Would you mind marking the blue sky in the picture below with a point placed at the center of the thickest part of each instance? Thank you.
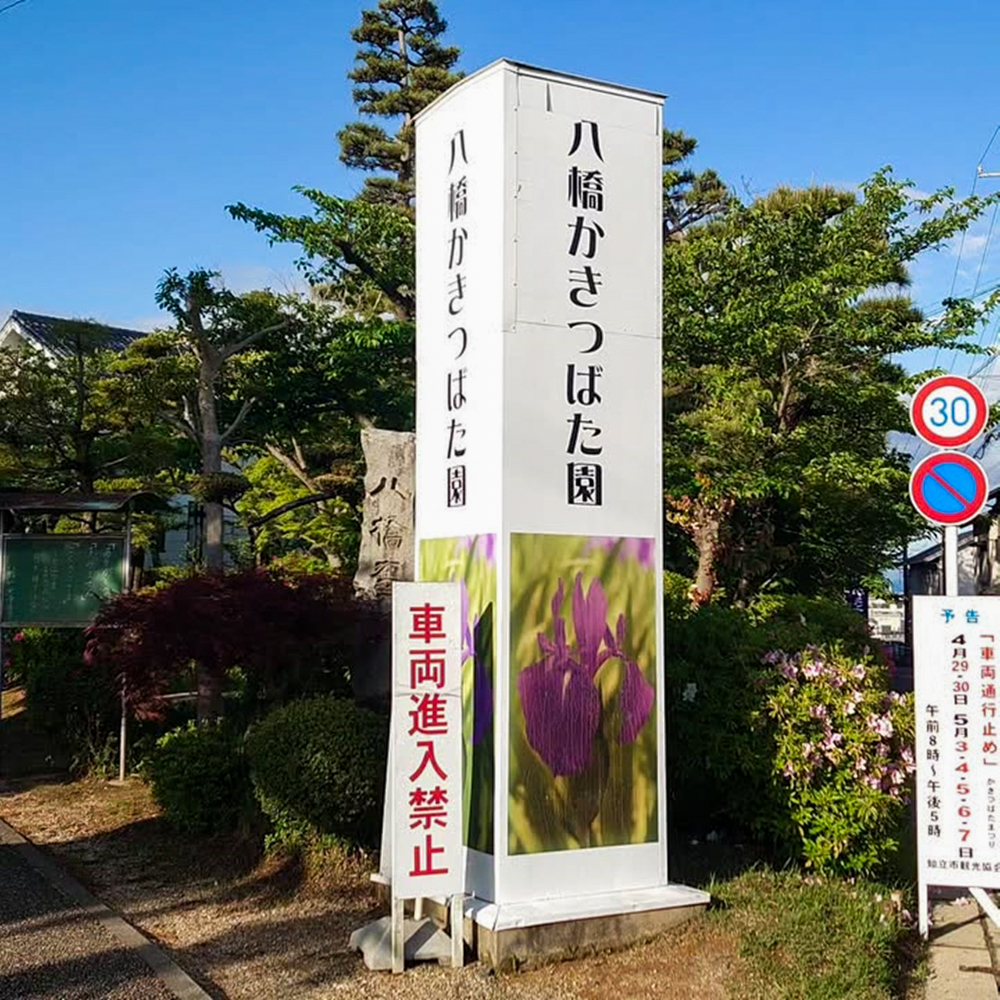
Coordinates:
(128, 126)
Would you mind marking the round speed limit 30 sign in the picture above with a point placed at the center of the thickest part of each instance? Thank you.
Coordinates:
(949, 411)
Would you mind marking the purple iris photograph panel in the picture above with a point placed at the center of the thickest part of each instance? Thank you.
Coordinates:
(583, 730)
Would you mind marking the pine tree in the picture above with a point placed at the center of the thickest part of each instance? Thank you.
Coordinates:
(400, 67)
(688, 197)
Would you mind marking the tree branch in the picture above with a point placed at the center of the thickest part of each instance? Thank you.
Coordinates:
(238, 419)
(291, 505)
(402, 304)
(180, 424)
(241, 345)
(194, 321)
(188, 417)
(300, 472)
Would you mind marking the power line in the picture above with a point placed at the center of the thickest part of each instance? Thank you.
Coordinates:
(14, 4)
(961, 245)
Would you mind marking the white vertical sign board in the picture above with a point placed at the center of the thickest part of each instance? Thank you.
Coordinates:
(956, 642)
(426, 766)
(539, 324)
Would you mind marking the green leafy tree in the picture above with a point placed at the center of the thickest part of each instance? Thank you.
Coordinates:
(198, 379)
(298, 510)
(345, 373)
(193, 367)
(784, 321)
(63, 427)
(357, 255)
(401, 66)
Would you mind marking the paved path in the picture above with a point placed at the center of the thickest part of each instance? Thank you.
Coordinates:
(58, 943)
(962, 963)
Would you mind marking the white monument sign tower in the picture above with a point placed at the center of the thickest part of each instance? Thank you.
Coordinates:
(539, 488)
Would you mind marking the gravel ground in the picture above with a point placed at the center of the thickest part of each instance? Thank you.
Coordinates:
(50, 950)
(270, 930)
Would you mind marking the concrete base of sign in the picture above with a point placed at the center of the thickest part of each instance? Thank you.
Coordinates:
(516, 935)
(425, 942)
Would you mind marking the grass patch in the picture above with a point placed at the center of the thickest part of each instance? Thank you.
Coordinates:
(810, 938)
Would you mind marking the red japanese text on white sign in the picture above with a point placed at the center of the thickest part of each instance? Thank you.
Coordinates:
(427, 733)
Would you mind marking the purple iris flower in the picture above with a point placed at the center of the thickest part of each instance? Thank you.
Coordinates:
(559, 693)
(637, 693)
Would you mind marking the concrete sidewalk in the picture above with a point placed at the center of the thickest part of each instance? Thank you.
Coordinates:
(58, 942)
(962, 953)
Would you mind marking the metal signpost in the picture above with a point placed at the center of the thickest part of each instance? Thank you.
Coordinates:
(956, 746)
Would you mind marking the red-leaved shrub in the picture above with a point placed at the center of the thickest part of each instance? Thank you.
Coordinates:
(289, 634)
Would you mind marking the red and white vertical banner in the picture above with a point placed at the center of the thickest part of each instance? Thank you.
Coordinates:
(426, 764)
(956, 643)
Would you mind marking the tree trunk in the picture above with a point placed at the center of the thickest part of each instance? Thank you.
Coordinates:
(209, 682)
(706, 539)
(211, 463)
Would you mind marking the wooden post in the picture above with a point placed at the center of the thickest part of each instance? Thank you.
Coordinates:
(398, 934)
(457, 921)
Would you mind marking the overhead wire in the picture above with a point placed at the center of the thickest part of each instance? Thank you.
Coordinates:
(10, 5)
(961, 245)
(975, 288)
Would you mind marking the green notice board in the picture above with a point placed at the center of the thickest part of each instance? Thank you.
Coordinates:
(59, 579)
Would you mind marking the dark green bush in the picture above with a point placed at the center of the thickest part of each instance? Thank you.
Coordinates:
(318, 770)
(199, 777)
(75, 705)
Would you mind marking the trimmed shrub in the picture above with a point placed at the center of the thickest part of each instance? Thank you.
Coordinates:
(199, 778)
(318, 770)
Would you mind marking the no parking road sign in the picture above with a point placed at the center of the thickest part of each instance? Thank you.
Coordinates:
(949, 488)
(949, 411)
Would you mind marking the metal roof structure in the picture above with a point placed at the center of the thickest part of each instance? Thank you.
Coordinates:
(33, 502)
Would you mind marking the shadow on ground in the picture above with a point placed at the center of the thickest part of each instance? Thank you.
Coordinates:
(26, 756)
(233, 919)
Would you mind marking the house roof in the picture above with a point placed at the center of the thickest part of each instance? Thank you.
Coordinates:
(56, 334)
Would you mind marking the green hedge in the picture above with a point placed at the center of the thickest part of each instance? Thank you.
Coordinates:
(318, 770)
(199, 777)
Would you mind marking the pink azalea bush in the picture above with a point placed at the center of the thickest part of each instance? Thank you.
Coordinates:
(842, 756)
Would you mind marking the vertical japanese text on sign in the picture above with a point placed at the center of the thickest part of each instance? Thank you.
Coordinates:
(585, 197)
